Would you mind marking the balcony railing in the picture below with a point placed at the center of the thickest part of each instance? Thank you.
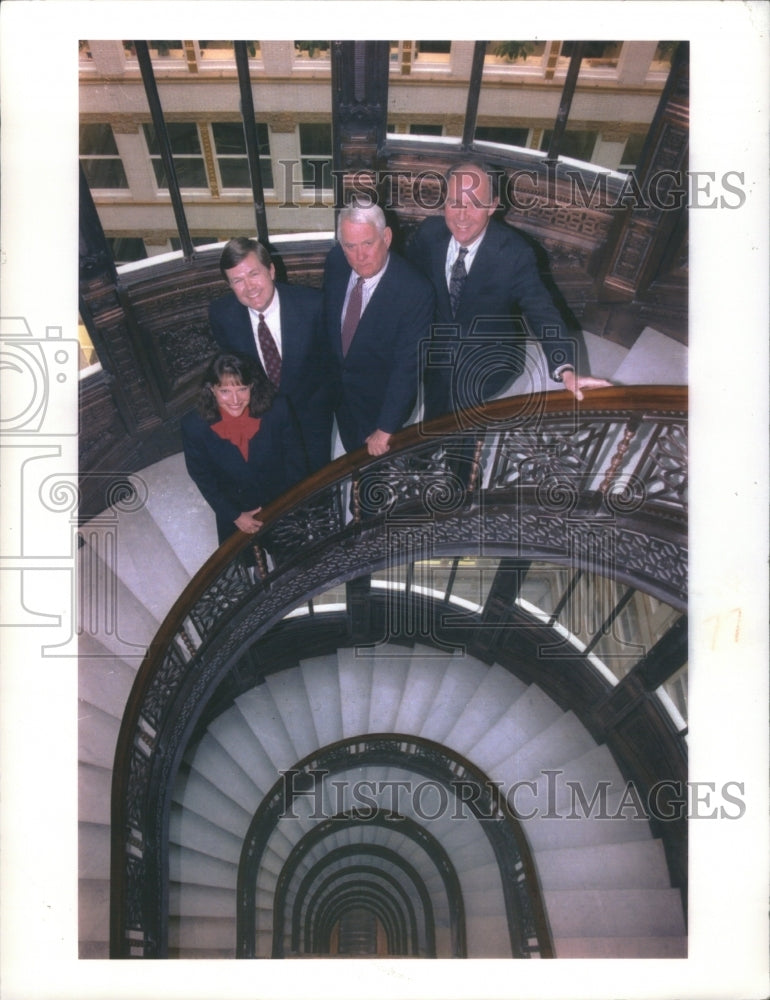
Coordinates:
(597, 485)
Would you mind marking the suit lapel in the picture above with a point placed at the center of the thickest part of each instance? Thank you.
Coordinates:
(483, 265)
(438, 268)
(337, 291)
(386, 288)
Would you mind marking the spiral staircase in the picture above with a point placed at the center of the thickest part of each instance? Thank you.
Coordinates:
(338, 777)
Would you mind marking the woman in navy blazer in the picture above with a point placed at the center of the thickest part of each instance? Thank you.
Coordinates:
(306, 364)
(242, 447)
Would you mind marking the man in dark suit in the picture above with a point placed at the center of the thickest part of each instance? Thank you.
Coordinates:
(489, 295)
(377, 310)
(279, 325)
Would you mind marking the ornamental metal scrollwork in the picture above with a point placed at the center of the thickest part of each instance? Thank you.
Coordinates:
(527, 506)
(666, 471)
(553, 452)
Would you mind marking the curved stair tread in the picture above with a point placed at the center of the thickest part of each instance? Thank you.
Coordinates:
(321, 680)
(291, 700)
(636, 864)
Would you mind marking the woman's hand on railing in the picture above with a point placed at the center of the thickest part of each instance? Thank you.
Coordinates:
(247, 521)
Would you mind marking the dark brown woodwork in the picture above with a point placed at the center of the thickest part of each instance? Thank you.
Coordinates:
(638, 247)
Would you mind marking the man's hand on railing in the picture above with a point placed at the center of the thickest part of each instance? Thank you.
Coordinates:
(247, 521)
(378, 443)
(575, 383)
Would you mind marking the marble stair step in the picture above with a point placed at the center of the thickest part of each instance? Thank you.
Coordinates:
(423, 681)
(94, 793)
(214, 762)
(552, 747)
(104, 679)
(611, 913)
(461, 680)
(529, 715)
(639, 864)
(109, 611)
(125, 544)
(355, 684)
(237, 739)
(200, 834)
(388, 686)
(180, 512)
(201, 934)
(199, 795)
(498, 690)
(290, 698)
(321, 681)
(264, 719)
(188, 866)
(654, 359)
(621, 947)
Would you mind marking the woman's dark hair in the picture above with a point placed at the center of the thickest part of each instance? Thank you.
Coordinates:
(244, 371)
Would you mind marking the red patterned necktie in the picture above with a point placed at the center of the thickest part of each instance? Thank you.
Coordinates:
(352, 315)
(270, 355)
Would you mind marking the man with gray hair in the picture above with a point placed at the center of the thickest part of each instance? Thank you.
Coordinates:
(377, 309)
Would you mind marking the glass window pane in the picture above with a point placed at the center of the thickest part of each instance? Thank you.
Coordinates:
(235, 174)
(190, 173)
(311, 50)
(576, 145)
(425, 129)
(197, 241)
(315, 138)
(183, 137)
(474, 579)
(97, 140)
(267, 172)
(594, 52)
(216, 47)
(434, 52)
(508, 54)
(632, 151)
(544, 586)
(434, 575)
(506, 136)
(125, 250)
(104, 173)
(676, 689)
(167, 48)
(228, 137)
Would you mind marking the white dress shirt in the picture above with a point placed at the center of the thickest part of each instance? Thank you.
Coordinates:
(272, 316)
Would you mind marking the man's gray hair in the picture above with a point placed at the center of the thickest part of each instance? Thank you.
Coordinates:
(370, 215)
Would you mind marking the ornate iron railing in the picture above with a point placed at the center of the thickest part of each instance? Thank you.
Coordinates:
(541, 477)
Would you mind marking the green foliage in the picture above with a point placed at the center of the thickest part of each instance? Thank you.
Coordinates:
(312, 48)
(511, 51)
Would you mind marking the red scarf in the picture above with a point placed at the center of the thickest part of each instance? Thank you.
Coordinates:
(239, 430)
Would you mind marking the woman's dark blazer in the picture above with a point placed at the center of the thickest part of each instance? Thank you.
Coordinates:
(231, 485)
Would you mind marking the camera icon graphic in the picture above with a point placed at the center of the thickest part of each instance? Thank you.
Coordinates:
(498, 357)
(39, 376)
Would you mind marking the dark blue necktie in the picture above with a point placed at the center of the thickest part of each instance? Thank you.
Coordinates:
(457, 279)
